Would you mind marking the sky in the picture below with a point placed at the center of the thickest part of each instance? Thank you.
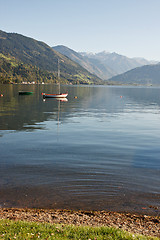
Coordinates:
(127, 27)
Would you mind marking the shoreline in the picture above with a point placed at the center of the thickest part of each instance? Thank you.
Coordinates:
(135, 223)
(48, 197)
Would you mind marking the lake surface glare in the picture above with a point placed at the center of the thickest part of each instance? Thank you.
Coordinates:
(100, 150)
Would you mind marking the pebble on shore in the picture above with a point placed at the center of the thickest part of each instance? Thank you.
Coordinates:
(139, 224)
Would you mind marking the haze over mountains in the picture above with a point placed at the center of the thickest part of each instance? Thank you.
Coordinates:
(26, 59)
(118, 63)
(104, 64)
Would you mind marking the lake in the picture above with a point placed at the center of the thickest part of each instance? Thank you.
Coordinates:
(100, 150)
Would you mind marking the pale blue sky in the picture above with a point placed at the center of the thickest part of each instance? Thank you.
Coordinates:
(128, 27)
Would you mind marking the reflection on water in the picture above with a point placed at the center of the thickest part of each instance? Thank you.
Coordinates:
(98, 150)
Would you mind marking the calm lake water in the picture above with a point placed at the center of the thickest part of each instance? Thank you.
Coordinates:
(99, 151)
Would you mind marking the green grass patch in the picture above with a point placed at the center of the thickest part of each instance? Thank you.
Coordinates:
(84, 78)
(31, 230)
(5, 57)
(11, 60)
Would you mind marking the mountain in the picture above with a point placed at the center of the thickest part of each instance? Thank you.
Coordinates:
(104, 64)
(31, 52)
(118, 63)
(94, 66)
(148, 75)
(15, 71)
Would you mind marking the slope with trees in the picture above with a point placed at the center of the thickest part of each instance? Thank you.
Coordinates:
(38, 54)
(145, 75)
(104, 64)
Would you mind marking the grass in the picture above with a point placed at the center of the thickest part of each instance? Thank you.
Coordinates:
(30, 230)
(84, 78)
(11, 60)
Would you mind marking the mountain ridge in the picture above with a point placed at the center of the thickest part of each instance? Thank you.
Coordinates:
(103, 64)
(39, 54)
(84, 62)
(21, 57)
(119, 63)
(145, 75)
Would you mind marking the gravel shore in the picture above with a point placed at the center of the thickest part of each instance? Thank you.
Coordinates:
(140, 224)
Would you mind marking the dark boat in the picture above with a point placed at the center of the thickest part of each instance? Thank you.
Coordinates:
(25, 93)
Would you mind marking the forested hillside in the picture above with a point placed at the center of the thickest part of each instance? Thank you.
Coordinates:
(103, 64)
(146, 75)
(38, 57)
(94, 66)
(14, 71)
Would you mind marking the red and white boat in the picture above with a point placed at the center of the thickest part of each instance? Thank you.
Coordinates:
(60, 95)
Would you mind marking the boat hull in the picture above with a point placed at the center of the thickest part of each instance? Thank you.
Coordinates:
(61, 95)
(25, 93)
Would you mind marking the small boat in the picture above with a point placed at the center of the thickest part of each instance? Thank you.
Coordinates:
(25, 93)
(60, 95)
(57, 95)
